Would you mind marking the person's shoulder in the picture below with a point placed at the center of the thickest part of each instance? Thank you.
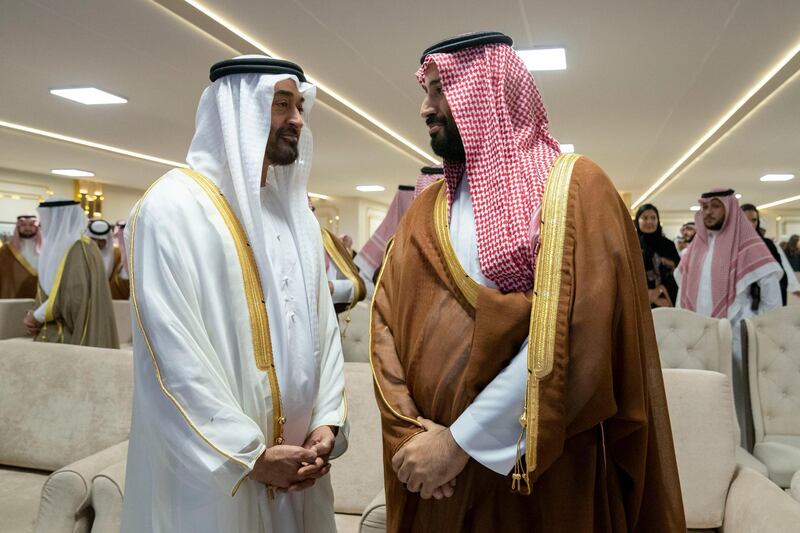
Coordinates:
(174, 200)
(590, 176)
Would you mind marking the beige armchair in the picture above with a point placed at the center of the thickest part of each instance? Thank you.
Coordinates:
(718, 493)
(772, 344)
(688, 340)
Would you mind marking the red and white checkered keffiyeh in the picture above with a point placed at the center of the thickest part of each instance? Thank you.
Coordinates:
(509, 152)
(424, 180)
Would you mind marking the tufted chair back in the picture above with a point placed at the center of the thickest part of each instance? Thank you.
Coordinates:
(688, 340)
(773, 346)
(355, 333)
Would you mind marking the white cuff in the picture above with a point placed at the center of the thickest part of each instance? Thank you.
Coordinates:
(482, 446)
(39, 313)
(342, 291)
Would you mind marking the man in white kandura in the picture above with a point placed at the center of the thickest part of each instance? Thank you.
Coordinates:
(239, 379)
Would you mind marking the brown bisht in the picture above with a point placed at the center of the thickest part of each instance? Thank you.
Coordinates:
(598, 436)
(18, 278)
(120, 287)
(343, 260)
(79, 308)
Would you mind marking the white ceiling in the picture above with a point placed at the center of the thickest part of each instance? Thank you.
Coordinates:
(645, 80)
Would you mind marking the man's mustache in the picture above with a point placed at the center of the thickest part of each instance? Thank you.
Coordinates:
(436, 120)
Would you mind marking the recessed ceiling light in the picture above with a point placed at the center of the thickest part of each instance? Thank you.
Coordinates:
(567, 148)
(738, 196)
(544, 58)
(88, 96)
(694, 208)
(72, 172)
(777, 177)
(319, 196)
(370, 188)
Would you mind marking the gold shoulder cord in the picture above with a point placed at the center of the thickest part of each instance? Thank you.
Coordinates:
(544, 309)
(256, 303)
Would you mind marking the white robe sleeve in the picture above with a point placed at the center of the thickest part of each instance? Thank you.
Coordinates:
(489, 429)
(195, 413)
(39, 313)
(771, 297)
(794, 284)
(330, 407)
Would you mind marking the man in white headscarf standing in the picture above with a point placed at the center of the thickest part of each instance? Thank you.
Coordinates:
(238, 388)
(19, 259)
(103, 234)
(73, 303)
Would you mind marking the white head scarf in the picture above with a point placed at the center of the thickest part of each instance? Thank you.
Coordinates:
(61, 227)
(102, 232)
(231, 131)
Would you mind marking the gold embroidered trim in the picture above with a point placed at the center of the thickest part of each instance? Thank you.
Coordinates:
(466, 285)
(344, 267)
(547, 287)
(389, 247)
(21, 259)
(254, 294)
(88, 300)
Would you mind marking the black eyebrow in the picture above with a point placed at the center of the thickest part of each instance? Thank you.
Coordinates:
(289, 94)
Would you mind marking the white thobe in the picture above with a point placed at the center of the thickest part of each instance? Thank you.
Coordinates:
(202, 412)
(488, 430)
(793, 284)
(27, 248)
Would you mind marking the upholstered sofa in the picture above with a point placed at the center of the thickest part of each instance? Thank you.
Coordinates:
(64, 417)
(688, 340)
(772, 344)
(354, 326)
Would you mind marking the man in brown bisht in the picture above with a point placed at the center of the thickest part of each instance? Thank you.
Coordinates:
(344, 279)
(19, 259)
(120, 279)
(519, 384)
(74, 300)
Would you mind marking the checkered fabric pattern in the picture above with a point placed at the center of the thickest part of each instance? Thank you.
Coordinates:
(509, 152)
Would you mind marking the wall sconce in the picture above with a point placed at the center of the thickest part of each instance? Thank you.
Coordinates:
(90, 195)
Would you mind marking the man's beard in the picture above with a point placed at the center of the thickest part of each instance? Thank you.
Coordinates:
(447, 142)
(717, 226)
(27, 234)
(280, 151)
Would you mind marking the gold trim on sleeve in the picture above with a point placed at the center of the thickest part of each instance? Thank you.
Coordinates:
(389, 247)
(547, 287)
(254, 294)
(466, 285)
(21, 259)
(359, 291)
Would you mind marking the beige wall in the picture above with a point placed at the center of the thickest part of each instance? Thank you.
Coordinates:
(117, 204)
(354, 217)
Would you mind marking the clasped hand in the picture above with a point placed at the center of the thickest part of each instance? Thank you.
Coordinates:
(296, 468)
(430, 461)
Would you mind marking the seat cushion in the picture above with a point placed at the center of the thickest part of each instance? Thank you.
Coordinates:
(19, 498)
(12, 311)
(747, 460)
(345, 523)
(795, 486)
(782, 461)
(374, 518)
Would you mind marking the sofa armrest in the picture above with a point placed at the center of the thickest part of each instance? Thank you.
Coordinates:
(745, 460)
(373, 520)
(782, 460)
(795, 488)
(757, 505)
(65, 494)
(108, 488)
